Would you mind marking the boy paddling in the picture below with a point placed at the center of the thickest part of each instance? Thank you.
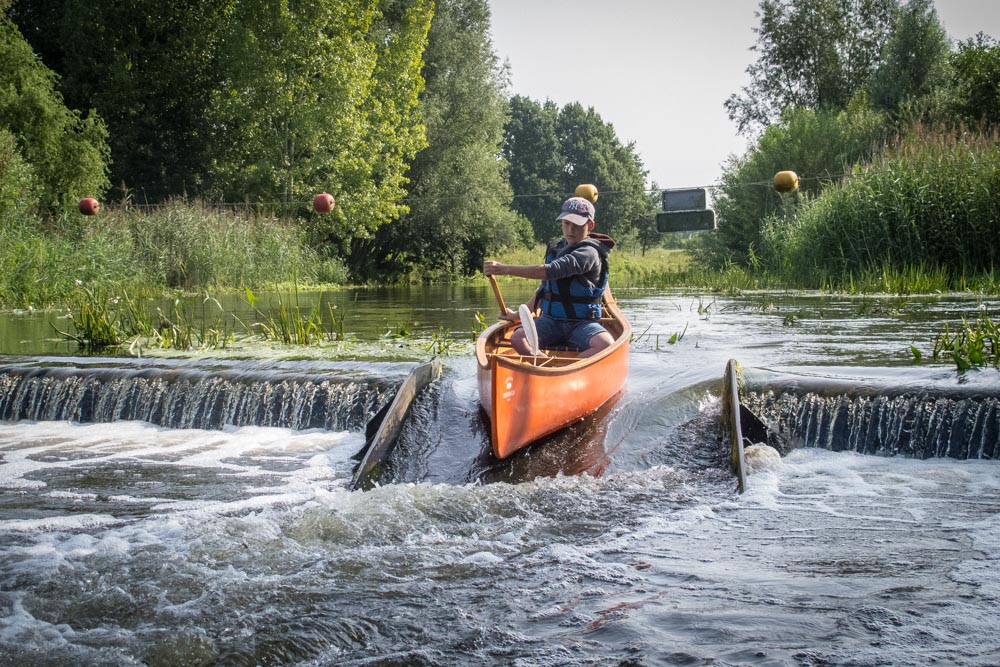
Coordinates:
(574, 277)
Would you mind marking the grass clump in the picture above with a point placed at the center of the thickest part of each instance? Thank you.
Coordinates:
(102, 319)
(292, 325)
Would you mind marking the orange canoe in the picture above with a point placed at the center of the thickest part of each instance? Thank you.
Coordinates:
(529, 397)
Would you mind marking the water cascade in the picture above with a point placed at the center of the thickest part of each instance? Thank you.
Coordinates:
(913, 421)
(189, 395)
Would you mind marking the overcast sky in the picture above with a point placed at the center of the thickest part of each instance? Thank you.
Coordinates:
(658, 70)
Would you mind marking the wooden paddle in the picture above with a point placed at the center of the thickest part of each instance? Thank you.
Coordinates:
(496, 292)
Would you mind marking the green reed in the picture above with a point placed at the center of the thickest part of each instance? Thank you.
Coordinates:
(292, 325)
(973, 344)
(152, 250)
(103, 319)
(203, 325)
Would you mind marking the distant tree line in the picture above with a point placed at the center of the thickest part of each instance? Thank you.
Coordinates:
(399, 108)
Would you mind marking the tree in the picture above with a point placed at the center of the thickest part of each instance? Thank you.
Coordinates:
(458, 196)
(67, 152)
(532, 150)
(551, 152)
(592, 153)
(320, 96)
(813, 55)
(148, 68)
(915, 63)
(976, 65)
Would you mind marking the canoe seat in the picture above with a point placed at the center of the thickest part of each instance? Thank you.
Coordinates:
(550, 360)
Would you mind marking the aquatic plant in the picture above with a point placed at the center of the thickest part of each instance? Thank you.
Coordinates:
(974, 344)
(103, 319)
(184, 329)
(291, 325)
(441, 343)
(671, 339)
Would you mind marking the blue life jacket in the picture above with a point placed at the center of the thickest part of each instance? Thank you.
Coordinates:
(570, 298)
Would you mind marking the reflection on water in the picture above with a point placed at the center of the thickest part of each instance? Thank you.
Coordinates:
(127, 543)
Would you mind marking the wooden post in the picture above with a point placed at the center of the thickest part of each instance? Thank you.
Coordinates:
(731, 426)
(388, 431)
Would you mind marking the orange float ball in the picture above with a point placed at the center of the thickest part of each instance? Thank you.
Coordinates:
(323, 203)
(89, 206)
(786, 181)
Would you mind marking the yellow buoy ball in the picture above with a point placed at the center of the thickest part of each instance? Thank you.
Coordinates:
(786, 181)
(588, 192)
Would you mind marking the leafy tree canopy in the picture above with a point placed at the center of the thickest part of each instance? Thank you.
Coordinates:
(66, 151)
(148, 67)
(976, 65)
(552, 152)
(532, 150)
(458, 197)
(814, 55)
(321, 96)
(915, 61)
(17, 181)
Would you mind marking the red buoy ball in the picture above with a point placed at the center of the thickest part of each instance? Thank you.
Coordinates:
(323, 203)
(89, 206)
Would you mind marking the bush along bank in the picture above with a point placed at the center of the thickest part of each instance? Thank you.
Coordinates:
(925, 212)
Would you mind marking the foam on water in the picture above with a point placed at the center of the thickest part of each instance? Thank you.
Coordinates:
(244, 545)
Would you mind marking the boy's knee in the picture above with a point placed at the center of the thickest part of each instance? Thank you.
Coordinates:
(601, 341)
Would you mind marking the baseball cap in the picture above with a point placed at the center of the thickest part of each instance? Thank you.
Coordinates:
(577, 210)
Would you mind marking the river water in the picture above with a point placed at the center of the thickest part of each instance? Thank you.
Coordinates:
(142, 536)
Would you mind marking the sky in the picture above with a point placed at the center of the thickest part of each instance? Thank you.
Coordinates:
(658, 70)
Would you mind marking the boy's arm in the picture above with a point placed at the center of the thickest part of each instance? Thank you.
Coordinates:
(537, 272)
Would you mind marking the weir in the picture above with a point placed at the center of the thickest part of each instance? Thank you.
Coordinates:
(189, 395)
(915, 419)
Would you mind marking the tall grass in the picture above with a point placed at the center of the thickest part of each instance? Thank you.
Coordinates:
(175, 246)
(191, 246)
(924, 216)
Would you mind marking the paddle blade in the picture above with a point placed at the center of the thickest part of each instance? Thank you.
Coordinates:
(528, 324)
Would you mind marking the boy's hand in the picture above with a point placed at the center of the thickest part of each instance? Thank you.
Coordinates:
(511, 316)
(491, 268)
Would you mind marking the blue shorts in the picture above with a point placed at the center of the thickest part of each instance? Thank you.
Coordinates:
(574, 334)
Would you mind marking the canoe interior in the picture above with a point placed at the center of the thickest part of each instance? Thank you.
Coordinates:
(498, 342)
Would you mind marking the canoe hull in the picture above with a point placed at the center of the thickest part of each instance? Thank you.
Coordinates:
(526, 401)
